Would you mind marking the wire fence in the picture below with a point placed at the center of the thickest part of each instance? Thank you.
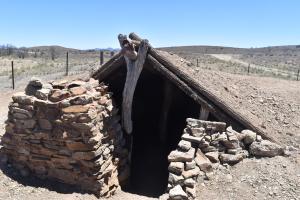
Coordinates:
(15, 72)
(252, 69)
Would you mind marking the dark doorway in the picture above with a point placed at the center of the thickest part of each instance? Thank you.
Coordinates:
(149, 164)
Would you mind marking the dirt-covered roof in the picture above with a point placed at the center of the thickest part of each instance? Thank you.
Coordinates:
(236, 96)
(269, 103)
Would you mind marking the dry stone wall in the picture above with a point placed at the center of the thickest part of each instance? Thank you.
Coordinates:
(204, 145)
(67, 131)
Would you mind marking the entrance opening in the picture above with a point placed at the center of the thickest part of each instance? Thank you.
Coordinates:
(149, 164)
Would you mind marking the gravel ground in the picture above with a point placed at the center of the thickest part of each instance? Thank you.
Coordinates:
(265, 178)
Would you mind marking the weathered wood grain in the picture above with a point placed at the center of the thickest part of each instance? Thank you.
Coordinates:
(203, 113)
(134, 69)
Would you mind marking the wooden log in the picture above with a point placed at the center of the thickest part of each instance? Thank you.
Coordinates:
(167, 100)
(128, 48)
(134, 69)
(203, 113)
(218, 103)
(114, 63)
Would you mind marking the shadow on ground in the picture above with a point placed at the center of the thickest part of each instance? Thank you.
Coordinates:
(33, 181)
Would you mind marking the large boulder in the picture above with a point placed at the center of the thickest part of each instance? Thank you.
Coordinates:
(203, 162)
(249, 137)
(265, 148)
(176, 167)
(184, 145)
(178, 156)
(231, 159)
(33, 85)
(177, 193)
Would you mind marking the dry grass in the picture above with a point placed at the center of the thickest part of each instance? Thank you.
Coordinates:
(45, 68)
(279, 62)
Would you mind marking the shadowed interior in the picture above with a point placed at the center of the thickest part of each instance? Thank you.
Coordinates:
(149, 164)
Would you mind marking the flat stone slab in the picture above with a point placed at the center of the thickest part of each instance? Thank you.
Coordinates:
(179, 156)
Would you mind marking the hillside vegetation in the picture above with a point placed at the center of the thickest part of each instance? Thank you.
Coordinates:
(278, 61)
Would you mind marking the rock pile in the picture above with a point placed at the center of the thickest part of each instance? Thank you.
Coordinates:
(67, 131)
(205, 143)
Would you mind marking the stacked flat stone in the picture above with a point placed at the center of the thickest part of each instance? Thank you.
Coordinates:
(204, 144)
(67, 131)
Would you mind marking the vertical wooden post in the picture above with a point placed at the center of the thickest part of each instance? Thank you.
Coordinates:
(248, 68)
(101, 57)
(134, 69)
(197, 62)
(112, 53)
(298, 74)
(67, 64)
(203, 113)
(166, 105)
(12, 75)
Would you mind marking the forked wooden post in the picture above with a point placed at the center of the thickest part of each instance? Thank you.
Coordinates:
(298, 74)
(135, 62)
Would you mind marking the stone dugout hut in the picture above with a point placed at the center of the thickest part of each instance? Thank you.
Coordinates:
(141, 122)
(163, 95)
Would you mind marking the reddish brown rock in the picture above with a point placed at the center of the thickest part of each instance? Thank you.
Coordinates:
(75, 91)
(78, 146)
(75, 109)
(58, 95)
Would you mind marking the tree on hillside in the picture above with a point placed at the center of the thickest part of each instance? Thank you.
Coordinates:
(10, 49)
(22, 52)
(52, 53)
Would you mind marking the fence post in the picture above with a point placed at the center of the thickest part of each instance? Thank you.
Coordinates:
(298, 74)
(101, 57)
(197, 62)
(112, 53)
(12, 75)
(67, 64)
(248, 68)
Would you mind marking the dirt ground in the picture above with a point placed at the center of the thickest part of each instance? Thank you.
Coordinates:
(266, 178)
(272, 103)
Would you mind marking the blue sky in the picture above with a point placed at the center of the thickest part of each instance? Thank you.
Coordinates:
(96, 23)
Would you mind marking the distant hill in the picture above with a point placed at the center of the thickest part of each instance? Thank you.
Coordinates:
(232, 50)
(47, 51)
